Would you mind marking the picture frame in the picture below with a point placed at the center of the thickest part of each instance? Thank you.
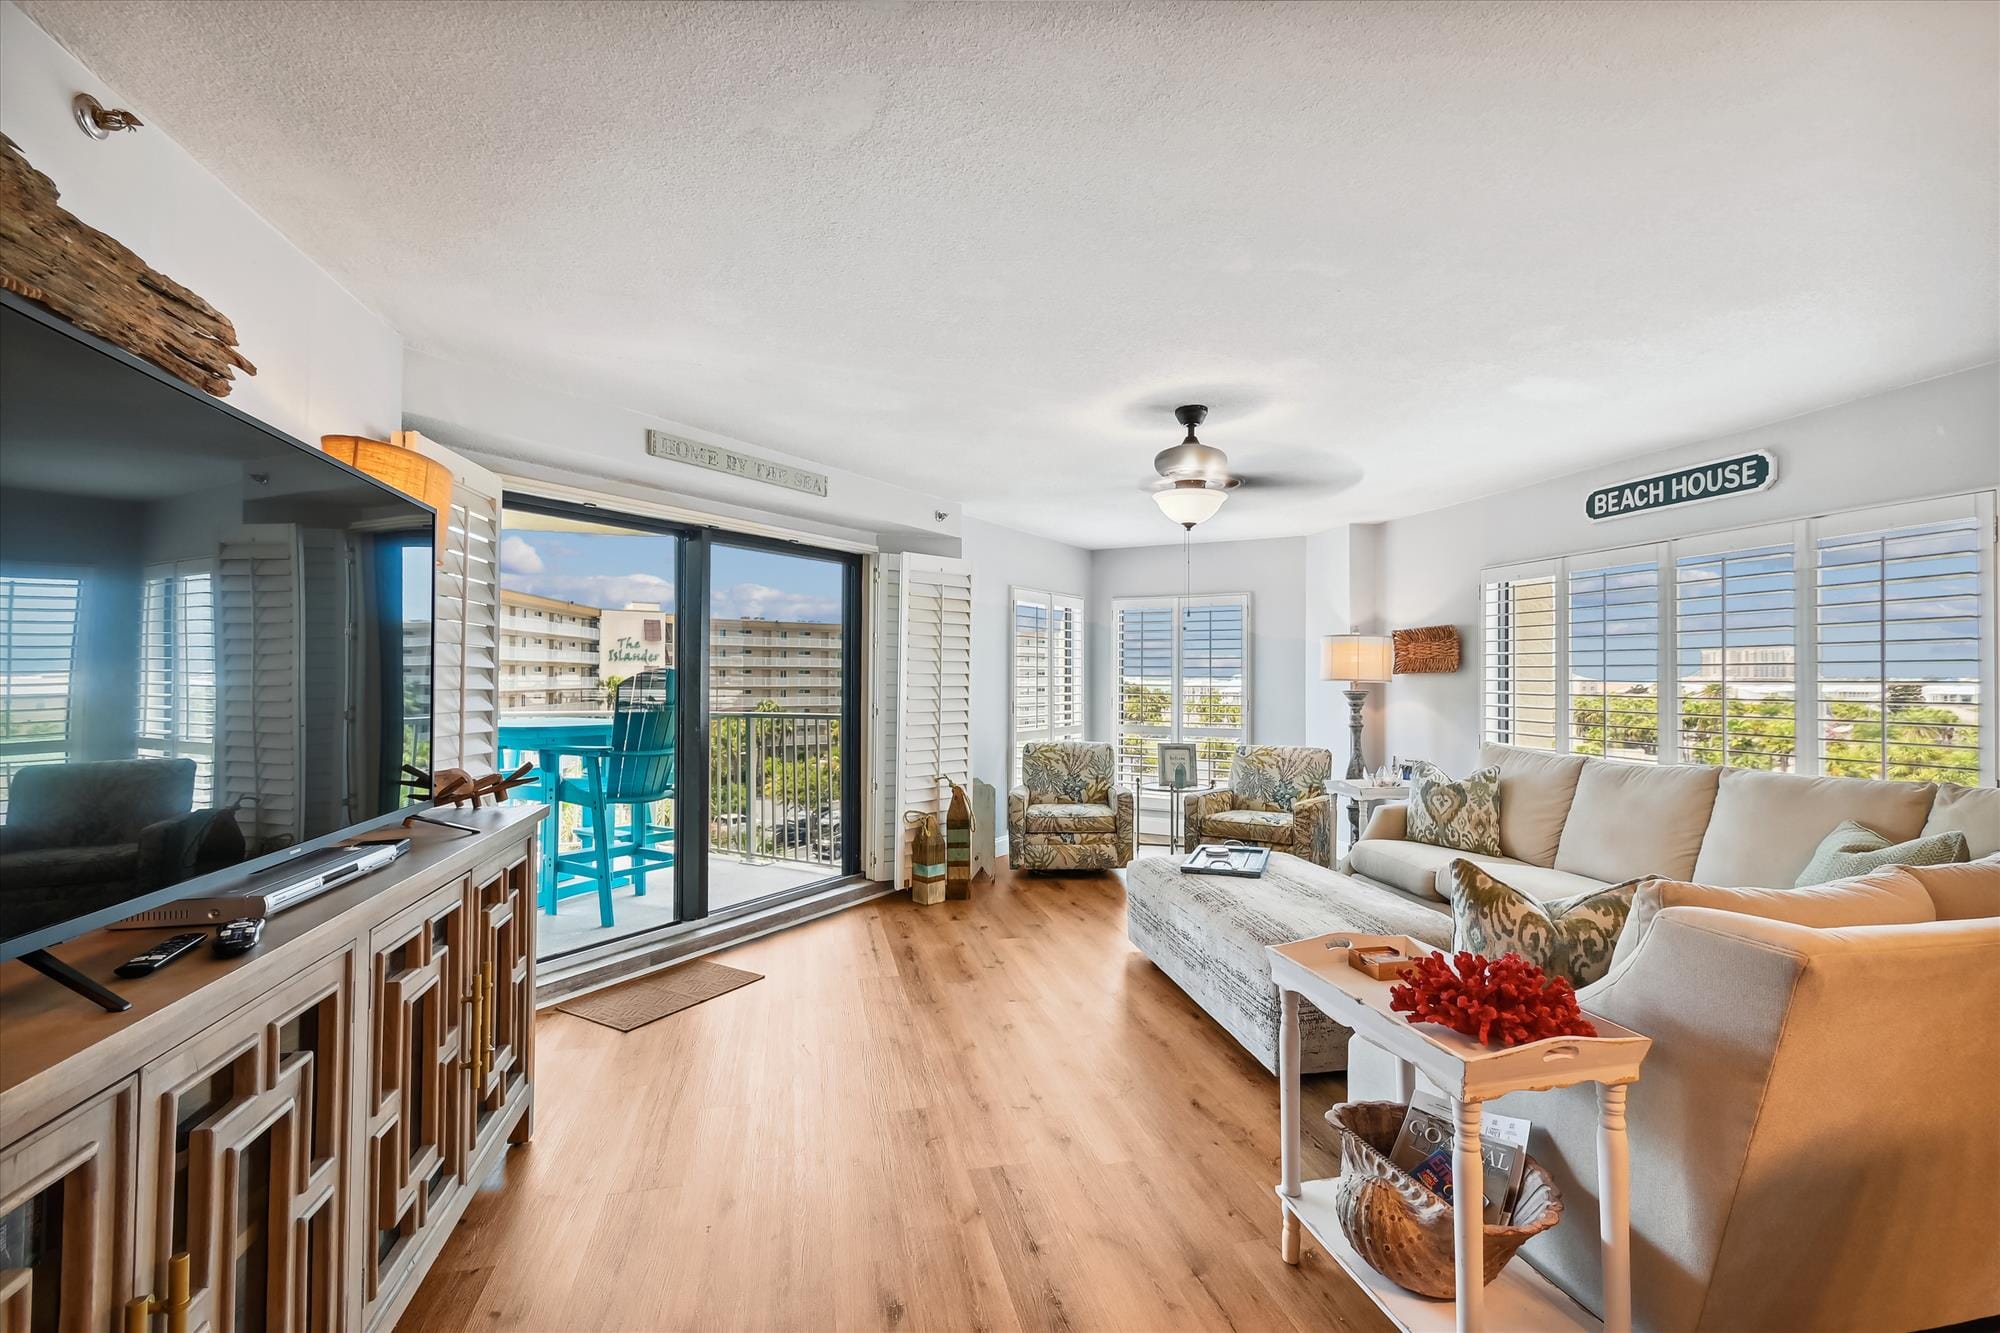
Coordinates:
(1180, 766)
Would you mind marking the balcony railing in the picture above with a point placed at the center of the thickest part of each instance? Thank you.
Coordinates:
(774, 787)
(774, 783)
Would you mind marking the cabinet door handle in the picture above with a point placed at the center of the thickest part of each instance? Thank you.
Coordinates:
(491, 1030)
(139, 1311)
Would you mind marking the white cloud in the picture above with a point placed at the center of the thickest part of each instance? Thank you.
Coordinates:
(607, 591)
(756, 601)
(518, 556)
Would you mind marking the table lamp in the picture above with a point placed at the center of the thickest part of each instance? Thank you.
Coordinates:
(1358, 659)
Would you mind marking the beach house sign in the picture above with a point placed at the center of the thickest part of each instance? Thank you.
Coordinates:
(1689, 485)
(727, 461)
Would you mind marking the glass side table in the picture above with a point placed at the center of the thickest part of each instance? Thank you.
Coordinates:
(1176, 806)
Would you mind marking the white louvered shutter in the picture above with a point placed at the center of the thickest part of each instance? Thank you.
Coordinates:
(258, 720)
(465, 681)
(1899, 647)
(928, 731)
(1045, 702)
(177, 670)
(1613, 623)
(1520, 702)
(39, 613)
(1736, 612)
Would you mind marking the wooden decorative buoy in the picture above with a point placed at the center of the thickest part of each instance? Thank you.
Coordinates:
(926, 858)
(958, 844)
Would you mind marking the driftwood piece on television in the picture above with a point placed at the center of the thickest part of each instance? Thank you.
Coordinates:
(1434, 648)
(51, 257)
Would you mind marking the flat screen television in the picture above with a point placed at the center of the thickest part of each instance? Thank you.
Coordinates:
(215, 641)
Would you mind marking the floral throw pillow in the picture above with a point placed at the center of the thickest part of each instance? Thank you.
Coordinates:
(1462, 815)
(1572, 938)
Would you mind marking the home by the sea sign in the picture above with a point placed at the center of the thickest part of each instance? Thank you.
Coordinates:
(717, 459)
(1707, 481)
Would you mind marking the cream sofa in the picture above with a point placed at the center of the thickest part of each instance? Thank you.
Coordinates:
(1815, 1137)
(1569, 824)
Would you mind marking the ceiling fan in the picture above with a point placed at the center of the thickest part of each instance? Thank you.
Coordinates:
(1194, 477)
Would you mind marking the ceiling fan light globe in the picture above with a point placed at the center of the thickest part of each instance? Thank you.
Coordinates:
(1189, 503)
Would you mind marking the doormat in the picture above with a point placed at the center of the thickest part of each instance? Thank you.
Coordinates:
(633, 1004)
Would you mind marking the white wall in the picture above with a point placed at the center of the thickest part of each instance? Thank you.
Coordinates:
(325, 363)
(1941, 437)
(1003, 559)
(525, 430)
(1272, 572)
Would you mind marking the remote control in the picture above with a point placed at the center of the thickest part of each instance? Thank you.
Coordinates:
(238, 937)
(159, 955)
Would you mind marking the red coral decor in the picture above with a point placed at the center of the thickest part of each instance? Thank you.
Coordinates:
(1504, 1001)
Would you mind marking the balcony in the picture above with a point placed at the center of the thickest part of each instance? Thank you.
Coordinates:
(774, 823)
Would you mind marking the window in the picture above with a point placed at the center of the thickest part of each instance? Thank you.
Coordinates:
(177, 670)
(1614, 658)
(1182, 673)
(1736, 669)
(1900, 649)
(1519, 704)
(38, 631)
(1857, 644)
(1046, 700)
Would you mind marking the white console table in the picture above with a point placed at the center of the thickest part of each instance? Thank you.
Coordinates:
(1520, 1300)
(1363, 797)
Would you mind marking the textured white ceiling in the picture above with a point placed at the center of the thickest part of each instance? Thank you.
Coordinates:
(1409, 253)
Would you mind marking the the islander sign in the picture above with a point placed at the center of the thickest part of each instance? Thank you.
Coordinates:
(1709, 481)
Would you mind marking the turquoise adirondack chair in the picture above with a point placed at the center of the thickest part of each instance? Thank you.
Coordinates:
(635, 771)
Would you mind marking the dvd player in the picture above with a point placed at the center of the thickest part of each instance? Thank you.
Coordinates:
(274, 890)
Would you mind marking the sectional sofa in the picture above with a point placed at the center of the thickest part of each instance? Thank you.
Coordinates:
(1569, 824)
(1816, 1136)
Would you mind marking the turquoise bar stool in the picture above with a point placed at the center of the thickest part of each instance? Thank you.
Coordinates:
(635, 772)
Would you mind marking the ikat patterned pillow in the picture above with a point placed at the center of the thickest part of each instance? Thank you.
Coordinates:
(1462, 815)
(1572, 938)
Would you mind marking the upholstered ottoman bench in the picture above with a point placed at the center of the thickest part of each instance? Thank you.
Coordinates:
(1208, 932)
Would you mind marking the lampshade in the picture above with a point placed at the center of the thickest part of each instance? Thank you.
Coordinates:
(1356, 657)
(1189, 503)
(407, 470)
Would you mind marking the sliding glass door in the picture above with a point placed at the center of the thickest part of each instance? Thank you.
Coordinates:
(684, 696)
(779, 690)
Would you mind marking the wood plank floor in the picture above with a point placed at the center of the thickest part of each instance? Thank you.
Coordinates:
(984, 1115)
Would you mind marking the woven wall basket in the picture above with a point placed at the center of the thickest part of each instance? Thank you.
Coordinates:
(1403, 1230)
(1434, 648)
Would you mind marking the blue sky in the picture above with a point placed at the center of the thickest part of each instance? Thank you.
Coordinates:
(611, 569)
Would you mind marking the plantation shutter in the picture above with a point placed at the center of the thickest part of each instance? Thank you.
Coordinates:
(1898, 613)
(924, 645)
(1519, 698)
(1143, 631)
(177, 670)
(258, 719)
(465, 681)
(1046, 699)
(1612, 614)
(1213, 704)
(38, 633)
(1183, 674)
(1736, 611)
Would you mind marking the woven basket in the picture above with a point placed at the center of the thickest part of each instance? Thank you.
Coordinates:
(1403, 1230)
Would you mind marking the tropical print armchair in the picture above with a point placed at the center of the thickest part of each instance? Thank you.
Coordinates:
(1276, 797)
(1068, 814)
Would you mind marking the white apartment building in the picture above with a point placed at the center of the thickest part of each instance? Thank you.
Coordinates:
(557, 656)
(548, 655)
